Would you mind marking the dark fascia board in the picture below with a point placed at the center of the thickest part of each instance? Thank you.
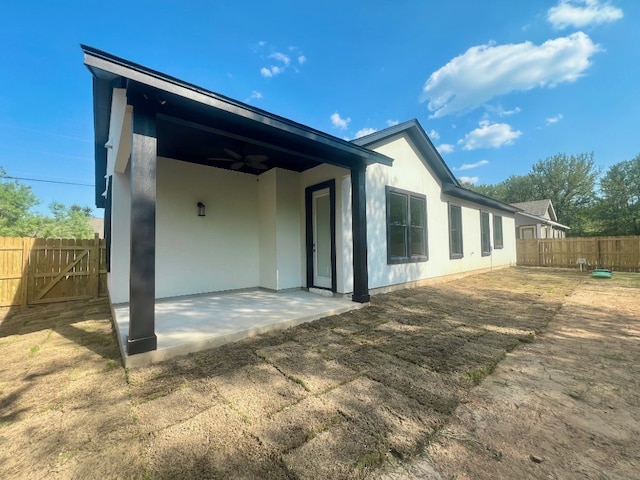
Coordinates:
(417, 134)
(475, 197)
(104, 65)
(102, 93)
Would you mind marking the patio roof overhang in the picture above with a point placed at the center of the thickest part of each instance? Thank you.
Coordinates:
(196, 125)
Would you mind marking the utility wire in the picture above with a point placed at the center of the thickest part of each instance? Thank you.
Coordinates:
(48, 181)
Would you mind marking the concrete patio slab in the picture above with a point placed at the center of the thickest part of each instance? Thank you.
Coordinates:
(199, 322)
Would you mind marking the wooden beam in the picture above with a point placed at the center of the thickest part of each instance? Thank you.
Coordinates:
(359, 229)
(142, 336)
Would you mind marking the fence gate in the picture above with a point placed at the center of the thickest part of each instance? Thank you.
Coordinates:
(34, 271)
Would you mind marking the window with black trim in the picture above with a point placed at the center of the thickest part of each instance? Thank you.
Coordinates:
(497, 232)
(455, 231)
(406, 226)
(485, 234)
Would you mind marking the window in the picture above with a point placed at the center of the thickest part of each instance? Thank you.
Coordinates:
(485, 234)
(497, 232)
(527, 233)
(455, 231)
(406, 226)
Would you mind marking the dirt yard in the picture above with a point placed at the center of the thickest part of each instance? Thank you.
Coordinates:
(520, 373)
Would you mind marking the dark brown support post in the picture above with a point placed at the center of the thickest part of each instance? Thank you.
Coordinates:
(359, 231)
(142, 336)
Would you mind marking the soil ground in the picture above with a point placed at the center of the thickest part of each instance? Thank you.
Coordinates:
(518, 373)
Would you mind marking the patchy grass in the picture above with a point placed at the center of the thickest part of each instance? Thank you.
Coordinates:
(334, 398)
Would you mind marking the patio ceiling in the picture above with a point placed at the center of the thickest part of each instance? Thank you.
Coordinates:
(197, 125)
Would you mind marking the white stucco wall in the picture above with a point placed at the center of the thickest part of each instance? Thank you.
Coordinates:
(193, 254)
(267, 224)
(280, 220)
(289, 224)
(251, 234)
(205, 254)
(118, 278)
(410, 172)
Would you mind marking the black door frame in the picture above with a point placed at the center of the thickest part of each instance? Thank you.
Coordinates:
(308, 207)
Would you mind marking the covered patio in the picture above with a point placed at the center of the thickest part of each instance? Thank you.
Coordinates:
(197, 322)
(163, 146)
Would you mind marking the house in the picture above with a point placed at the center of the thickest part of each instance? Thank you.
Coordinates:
(537, 219)
(203, 193)
(97, 226)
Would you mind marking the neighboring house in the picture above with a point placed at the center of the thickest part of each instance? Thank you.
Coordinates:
(538, 220)
(203, 193)
(97, 225)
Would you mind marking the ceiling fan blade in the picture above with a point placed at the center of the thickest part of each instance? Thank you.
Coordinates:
(233, 154)
(257, 158)
(237, 165)
(259, 166)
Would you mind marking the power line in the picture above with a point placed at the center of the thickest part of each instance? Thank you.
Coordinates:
(48, 181)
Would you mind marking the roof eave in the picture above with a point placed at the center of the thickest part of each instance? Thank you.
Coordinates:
(420, 138)
(102, 63)
(543, 220)
(475, 197)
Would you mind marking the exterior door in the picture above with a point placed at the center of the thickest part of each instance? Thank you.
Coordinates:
(320, 232)
(321, 211)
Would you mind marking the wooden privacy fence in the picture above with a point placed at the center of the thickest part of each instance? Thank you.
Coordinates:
(37, 270)
(616, 253)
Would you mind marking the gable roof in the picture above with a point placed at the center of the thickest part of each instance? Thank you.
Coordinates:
(539, 208)
(450, 184)
(190, 106)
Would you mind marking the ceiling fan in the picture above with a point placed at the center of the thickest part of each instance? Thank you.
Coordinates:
(238, 161)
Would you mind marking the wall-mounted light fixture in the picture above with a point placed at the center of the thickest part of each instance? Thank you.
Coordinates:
(201, 209)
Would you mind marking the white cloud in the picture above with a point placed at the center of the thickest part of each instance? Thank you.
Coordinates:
(434, 135)
(487, 71)
(281, 57)
(365, 131)
(582, 13)
(472, 180)
(445, 148)
(554, 119)
(255, 95)
(489, 135)
(340, 122)
(500, 111)
(272, 71)
(283, 62)
(392, 123)
(469, 166)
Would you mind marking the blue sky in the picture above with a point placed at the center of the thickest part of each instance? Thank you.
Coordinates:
(497, 85)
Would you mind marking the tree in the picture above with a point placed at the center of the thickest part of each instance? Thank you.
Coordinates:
(67, 222)
(516, 188)
(619, 207)
(15, 202)
(17, 220)
(569, 181)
